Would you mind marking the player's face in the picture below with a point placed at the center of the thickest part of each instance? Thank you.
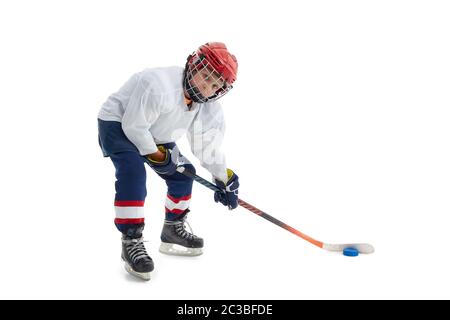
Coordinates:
(207, 82)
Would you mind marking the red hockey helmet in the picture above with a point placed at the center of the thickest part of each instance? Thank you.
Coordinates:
(217, 68)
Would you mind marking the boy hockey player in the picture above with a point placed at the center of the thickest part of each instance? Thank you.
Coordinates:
(140, 124)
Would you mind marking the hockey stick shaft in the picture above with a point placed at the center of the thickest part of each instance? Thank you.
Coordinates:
(251, 208)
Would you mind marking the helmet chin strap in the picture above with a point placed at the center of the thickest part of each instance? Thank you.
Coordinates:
(195, 95)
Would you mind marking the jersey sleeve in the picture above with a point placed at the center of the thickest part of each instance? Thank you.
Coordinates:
(205, 136)
(140, 113)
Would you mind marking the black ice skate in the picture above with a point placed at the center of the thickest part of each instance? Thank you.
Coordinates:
(137, 261)
(176, 240)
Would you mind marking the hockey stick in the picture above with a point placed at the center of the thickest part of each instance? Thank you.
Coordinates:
(361, 247)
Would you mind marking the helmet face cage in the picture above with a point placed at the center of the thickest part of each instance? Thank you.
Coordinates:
(208, 80)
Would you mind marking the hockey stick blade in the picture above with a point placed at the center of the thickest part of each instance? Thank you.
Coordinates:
(364, 248)
(361, 247)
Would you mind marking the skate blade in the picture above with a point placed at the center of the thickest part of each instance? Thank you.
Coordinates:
(141, 275)
(177, 250)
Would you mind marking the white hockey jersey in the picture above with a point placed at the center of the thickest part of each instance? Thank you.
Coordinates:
(152, 110)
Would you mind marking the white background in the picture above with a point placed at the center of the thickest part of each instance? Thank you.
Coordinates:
(338, 125)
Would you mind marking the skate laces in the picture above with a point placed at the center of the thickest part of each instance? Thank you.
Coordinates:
(136, 249)
(180, 229)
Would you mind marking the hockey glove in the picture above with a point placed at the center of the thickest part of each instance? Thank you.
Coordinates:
(229, 196)
(169, 165)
